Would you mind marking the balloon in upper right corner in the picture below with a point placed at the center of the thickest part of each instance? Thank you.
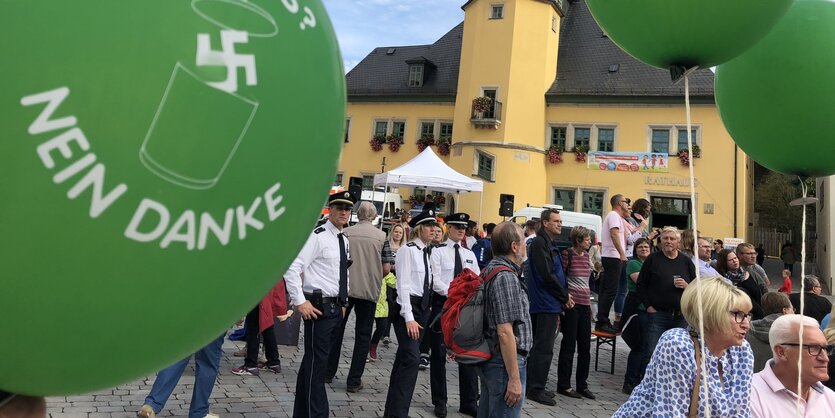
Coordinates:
(687, 33)
(777, 99)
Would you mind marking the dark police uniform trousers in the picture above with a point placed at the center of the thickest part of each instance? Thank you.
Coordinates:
(467, 375)
(405, 370)
(362, 340)
(311, 396)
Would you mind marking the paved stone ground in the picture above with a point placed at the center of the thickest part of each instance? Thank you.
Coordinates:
(271, 395)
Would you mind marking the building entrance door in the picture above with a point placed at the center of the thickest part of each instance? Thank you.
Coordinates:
(670, 211)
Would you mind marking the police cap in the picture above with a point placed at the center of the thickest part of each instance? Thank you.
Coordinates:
(461, 220)
(342, 199)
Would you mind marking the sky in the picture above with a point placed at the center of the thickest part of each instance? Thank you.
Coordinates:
(362, 25)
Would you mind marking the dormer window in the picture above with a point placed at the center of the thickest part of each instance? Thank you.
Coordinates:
(420, 70)
(416, 75)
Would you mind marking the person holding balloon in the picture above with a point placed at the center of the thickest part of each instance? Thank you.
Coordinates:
(321, 300)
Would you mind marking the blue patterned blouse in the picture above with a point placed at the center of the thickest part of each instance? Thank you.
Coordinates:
(668, 383)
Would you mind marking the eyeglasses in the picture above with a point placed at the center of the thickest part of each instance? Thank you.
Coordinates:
(814, 349)
(740, 316)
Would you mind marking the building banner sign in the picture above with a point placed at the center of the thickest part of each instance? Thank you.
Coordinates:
(644, 162)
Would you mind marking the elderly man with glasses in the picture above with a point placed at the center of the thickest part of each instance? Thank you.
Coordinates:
(776, 389)
(815, 305)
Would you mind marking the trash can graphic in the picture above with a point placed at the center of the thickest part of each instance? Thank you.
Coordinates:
(195, 132)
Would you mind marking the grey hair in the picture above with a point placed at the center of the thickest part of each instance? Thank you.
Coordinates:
(366, 211)
(671, 229)
(784, 329)
(810, 281)
(505, 234)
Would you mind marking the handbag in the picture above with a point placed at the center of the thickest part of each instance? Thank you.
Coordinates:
(694, 397)
(287, 328)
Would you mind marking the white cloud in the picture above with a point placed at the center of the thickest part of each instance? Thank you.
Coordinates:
(362, 25)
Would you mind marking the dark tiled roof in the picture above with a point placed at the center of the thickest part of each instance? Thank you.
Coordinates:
(380, 74)
(583, 69)
(586, 57)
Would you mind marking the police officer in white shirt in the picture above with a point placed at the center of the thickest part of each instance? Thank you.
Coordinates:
(321, 301)
(414, 290)
(448, 260)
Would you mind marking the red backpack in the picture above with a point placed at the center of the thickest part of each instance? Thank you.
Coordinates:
(463, 321)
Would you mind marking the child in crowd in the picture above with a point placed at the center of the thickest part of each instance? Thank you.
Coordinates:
(787, 283)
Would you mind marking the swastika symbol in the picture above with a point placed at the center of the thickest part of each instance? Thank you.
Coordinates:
(227, 57)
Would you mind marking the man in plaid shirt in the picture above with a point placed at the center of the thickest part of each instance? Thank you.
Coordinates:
(509, 325)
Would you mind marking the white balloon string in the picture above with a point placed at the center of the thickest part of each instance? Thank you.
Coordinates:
(802, 292)
(698, 281)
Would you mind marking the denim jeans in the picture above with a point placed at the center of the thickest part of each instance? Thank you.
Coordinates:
(206, 363)
(636, 362)
(608, 287)
(620, 296)
(658, 323)
(494, 381)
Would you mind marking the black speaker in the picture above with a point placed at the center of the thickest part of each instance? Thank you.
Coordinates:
(355, 187)
(506, 205)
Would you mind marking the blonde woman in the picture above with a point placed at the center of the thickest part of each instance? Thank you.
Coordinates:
(668, 387)
(396, 239)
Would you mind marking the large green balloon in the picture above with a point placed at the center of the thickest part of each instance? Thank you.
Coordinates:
(686, 33)
(161, 164)
(776, 100)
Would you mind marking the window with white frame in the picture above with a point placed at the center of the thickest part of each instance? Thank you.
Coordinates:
(558, 136)
(592, 202)
(427, 128)
(497, 11)
(337, 181)
(446, 131)
(565, 198)
(398, 129)
(682, 137)
(415, 75)
(582, 137)
(485, 165)
(660, 141)
(347, 128)
(606, 139)
(368, 182)
(381, 128)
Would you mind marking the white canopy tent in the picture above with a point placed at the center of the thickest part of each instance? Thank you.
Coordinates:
(426, 170)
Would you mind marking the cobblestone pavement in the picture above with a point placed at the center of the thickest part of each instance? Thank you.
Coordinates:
(271, 395)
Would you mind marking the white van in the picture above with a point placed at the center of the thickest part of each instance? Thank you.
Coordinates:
(393, 203)
(569, 220)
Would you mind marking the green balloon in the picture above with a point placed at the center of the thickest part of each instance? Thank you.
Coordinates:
(776, 98)
(686, 33)
(162, 163)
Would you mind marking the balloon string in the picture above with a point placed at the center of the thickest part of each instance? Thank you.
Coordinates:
(698, 281)
(802, 291)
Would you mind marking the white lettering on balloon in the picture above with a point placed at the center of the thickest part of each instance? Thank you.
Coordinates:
(151, 221)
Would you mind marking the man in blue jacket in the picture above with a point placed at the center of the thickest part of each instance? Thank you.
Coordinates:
(548, 293)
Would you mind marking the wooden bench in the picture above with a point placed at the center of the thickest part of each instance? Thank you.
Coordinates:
(605, 338)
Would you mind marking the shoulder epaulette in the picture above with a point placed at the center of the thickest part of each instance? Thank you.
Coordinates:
(319, 230)
(411, 244)
(441, 245)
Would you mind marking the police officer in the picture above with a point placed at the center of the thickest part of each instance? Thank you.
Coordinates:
(448, 260)
(414, 289)
(321, 301)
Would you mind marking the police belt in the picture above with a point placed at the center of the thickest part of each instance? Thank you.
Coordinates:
(325, 300)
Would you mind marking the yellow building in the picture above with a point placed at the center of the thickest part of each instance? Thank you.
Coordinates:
(556, 80)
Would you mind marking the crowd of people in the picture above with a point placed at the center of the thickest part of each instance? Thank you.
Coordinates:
(746, 335)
